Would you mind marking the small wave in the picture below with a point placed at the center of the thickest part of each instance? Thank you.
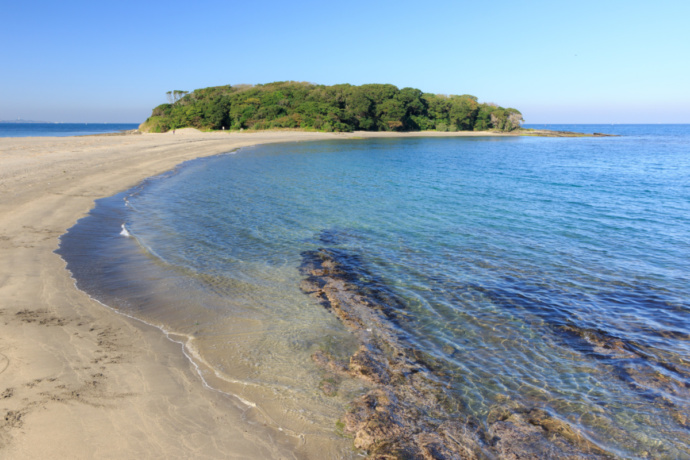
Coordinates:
(191, 353)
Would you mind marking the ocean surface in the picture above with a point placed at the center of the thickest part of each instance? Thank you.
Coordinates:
(61, 129)
(551, 272)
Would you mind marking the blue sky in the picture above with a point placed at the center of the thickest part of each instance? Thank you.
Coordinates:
(558, 62)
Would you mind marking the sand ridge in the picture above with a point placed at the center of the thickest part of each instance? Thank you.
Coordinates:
(76, 379)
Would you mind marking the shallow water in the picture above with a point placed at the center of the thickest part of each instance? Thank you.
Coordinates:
(549, 271)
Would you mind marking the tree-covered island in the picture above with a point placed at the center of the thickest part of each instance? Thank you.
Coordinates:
(337, 108)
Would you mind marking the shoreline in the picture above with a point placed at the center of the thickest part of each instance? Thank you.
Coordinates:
(77, 380)
(521, 132)
(118, 387)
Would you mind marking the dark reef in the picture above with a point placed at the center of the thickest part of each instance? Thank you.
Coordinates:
(408, 412)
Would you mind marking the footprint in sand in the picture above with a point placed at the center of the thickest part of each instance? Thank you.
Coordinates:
(4, 363)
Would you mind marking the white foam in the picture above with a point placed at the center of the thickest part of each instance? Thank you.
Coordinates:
(168, 335)
(190, 352)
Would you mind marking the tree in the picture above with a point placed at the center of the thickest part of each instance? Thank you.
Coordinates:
(463, 112)
(174, 96)
(343, 107)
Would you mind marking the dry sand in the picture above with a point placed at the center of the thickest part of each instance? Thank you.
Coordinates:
(76, 379)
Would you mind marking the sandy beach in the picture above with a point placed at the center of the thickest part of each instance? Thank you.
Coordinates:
(78, 380)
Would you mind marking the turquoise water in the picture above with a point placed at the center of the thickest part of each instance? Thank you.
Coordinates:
(61, 129)
(549, 271)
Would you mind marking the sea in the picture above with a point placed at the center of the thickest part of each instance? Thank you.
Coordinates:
(62, 129)
(549, 273)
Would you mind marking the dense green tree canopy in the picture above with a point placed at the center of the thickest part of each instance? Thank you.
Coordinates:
(374, 107)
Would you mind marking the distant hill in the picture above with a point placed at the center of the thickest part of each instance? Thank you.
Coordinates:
(344, 108)
(19, 120)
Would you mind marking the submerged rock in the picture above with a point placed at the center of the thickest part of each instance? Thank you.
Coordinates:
(407, 414)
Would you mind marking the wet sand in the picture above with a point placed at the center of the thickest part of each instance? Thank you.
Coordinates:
(78, 380)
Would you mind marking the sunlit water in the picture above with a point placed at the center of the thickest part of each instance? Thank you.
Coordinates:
(549, 271)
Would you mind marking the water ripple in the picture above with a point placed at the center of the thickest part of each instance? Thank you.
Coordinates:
(553, 271)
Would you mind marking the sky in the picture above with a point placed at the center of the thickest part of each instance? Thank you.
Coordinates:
(603, 61)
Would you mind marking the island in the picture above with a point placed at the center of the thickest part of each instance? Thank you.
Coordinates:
(24, 122)
(336, 108)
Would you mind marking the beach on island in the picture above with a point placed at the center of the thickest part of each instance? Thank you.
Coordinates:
(77, 380)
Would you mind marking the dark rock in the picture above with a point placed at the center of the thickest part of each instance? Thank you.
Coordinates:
(407, 414)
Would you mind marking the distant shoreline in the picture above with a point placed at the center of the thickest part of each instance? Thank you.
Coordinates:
(16, 130)
(553, 133)
(540, 132)
(374, 134)
(32, 122)
(26, 122)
